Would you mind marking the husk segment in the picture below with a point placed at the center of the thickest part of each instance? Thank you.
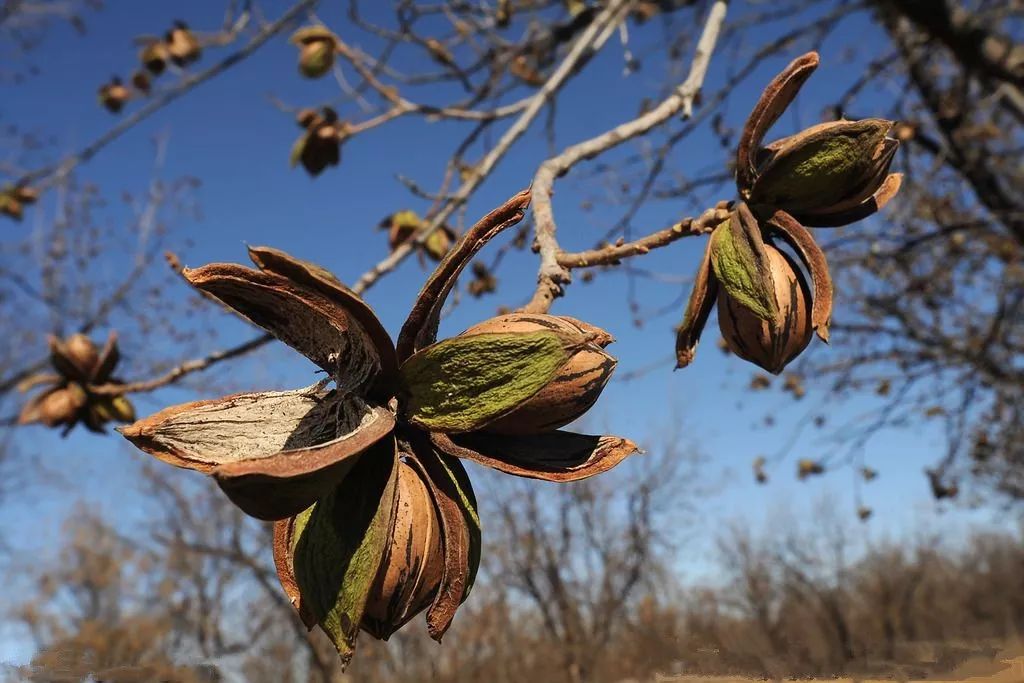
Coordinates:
(322, 280)
(821, 167)
(273, 453)
(463, 383)
(886, 191)
(555, 456)
(420, 328)
(773, 101)
(329, 555)
(461, 541)
(698, 308)
(813, 258)
(312, 323)
(413, 564)
(741, 265)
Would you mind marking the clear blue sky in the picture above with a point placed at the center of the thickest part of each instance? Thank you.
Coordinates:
(229, 135)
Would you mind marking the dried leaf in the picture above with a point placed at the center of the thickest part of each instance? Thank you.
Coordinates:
(556, 456)
(463, 383)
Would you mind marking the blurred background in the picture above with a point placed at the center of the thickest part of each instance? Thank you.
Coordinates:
(859, 515)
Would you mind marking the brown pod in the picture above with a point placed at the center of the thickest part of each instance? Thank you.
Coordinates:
(770, 346)
(182, 44)
(113, 95)
(576, 388)
(141, 82)
(154, 57)
(80, 350)
(413, 563)
(60, 406)
(316, 58)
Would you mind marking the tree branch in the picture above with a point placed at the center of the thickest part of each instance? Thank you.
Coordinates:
(553, 274)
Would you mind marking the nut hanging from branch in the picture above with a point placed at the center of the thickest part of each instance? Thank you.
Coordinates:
(375, 517)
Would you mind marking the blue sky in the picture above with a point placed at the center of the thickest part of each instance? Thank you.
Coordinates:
(229, 135)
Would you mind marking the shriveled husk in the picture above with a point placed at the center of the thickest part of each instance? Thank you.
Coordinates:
(413, 562)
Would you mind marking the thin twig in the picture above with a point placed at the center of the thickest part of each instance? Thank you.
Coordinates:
(553, 274)
(589, 42)
(183, 369)
(67, 164)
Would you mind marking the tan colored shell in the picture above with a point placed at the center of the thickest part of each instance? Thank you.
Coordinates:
(61, 405)
(758, 341)
(316, 58)
(154, 56)
(573, 392)
(413, 563)
(182, 45)
(81, 351)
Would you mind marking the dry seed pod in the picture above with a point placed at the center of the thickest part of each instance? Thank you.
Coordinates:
(25, 195)
(113, 95)
(827, 175)
(61, 406)
(483, 281)
(141, 82)
(154, 56)
(11, 207)
(807, 468)
(317, 47)
(413, 561)
(400, 225)
(573, 390)
(759, 474)
(182, 45)
(308, 118)
(827, 168)
(319, 147)
(82, 353)
(439, 242)
(766, 344)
